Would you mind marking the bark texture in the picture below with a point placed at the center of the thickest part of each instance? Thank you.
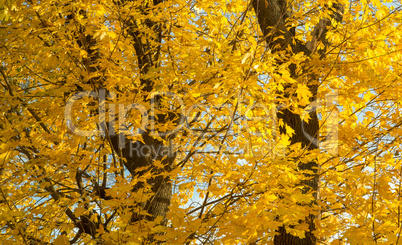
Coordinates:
(147, 57)
(150, 149)
(274, 18)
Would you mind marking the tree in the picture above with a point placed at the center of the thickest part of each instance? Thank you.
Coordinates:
(176, 122)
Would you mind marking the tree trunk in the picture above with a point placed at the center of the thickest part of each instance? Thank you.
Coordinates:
(151, 149)
(273, 17)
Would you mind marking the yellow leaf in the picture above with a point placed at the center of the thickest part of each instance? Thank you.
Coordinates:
(303, 92)
(100, 230)
(285, 140)
(79, 211)
(61, 240)
(186, 186)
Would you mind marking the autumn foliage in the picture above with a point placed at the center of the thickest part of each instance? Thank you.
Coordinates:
(200, 122)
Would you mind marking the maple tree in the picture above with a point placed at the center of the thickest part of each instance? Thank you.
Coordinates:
(200, 122)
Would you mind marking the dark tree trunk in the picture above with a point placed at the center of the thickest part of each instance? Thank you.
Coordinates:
(273, 17)
(153, 149)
